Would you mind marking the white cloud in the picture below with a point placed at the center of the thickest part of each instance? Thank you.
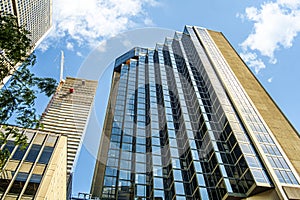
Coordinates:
(270, 80)
(89, 21)
(70, 46)
(43, 46)
(252, 61)
(79, 54)
(148, 22)
(276, 24)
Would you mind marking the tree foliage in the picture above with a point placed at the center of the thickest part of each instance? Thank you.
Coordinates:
(18, 95)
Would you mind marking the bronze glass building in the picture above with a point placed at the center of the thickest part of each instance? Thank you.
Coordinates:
(188, 120)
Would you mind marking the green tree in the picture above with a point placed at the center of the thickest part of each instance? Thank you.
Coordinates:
(17, 96)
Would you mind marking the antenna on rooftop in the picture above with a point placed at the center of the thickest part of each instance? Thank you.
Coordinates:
(61, 66)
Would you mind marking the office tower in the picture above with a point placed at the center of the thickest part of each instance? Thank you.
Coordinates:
(35, 15)
(188, 120)
(39, 171)
(68, 113)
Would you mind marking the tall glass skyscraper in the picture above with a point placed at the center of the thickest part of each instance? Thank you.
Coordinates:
(188, 120)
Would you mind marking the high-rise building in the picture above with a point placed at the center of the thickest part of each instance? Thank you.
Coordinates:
(68, 113)
(35, 15)
(189, 120)
(44, 169)
(38, 171)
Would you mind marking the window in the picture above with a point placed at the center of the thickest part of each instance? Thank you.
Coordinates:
(33, 153)
(158, 183)
(124, 175)
(140, 148)
(109, 181)
(46, 155)
(10, 145)
(140, 178)
(18, 155)
(177, 175)
(179, 188)
(141, 190)
(200, 179)
(19, 183)
(140, 168)
(259, 177)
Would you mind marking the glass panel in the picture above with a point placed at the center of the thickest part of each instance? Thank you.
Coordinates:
(159, 195)
(204, 194)
(177, 175)
(179, 188)
(201, 180)
(10, 145)
(158, 183)
(46, 155)
(252, 161)
(111, 171)
(258, 176)
(140, 168)
(109, 181)
(140, 190)
(140, 178)
(19, 154)
(33, 153)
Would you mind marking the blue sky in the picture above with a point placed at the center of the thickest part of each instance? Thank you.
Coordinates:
(265, 34)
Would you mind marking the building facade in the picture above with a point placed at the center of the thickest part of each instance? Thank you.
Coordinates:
(68, 113)
(188, 120)
(38, 171)
(36, 16)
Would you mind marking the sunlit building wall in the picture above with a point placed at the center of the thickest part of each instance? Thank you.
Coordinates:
(38, 171)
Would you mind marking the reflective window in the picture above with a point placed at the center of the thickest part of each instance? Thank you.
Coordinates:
(158, 183)
(140, 178)
(109, 181)
(46, 155)
(19, 154)
(124, 174)
(33, 153)
(201, 180)
(10, 145)
(179, 188)
(177, 175)
(141, 190)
